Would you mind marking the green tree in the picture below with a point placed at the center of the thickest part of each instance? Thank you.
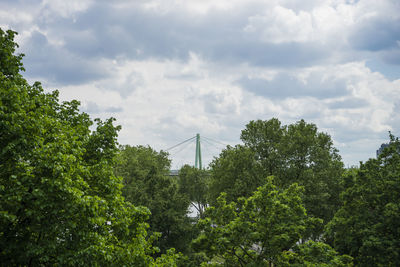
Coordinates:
(314, 163)
(295, 153)
(10, 64)
(194, 183)
(314, 254)
(235, 172)
(262, 230)
(255, 230)
(137, 165)
(367, 226)
(265, 139)
(146, 182)
(60, 203)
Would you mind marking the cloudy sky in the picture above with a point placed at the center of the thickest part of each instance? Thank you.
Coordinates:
(168, 69)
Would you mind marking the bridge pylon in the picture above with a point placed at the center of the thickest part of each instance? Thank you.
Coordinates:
(197, 162)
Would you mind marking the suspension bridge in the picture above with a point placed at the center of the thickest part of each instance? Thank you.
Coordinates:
(183, 150)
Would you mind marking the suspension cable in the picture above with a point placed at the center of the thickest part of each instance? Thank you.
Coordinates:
(181, 143)
(215, 141)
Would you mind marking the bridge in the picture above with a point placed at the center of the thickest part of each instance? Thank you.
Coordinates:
(198, 141)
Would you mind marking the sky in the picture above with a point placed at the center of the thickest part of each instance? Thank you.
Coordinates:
(169, 69)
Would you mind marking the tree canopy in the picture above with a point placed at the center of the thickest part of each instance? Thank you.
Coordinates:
(60, 203)
(261, 230)
(10, 63)
(146, 183)
(235, 172)
(367, 226)
(295, 153)
(193, 183)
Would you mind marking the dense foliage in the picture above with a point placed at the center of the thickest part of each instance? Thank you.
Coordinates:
(367, 226)
(193, 183)
(295, 153)
(236, 173)
(256, 229)
(262, 230)
(60, 203)
(146, 182)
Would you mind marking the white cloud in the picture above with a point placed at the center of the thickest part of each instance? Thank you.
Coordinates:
(62, 8)
(196, 7)
(281, 25)
(169, 69)
(322, 23)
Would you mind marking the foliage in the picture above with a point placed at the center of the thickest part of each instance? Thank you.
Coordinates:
(10, 64)
(296, 153)
(138, 165)
(255, 230)
(235, 172)
(146, 182)
(265, 138)
(60, 203)
(367, 226)
(263, 230)
(194, 183)
(314, 254)
(192, 259)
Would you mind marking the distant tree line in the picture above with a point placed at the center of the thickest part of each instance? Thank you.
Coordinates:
(70, 195)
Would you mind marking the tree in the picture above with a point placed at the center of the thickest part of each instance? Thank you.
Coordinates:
(254, 230)
(314, 163)
(194, 183)
(264, 138)
(10, 64)
(315, 254)
(295, 153)
(367, 226)
(235, 172)
(146, 183)
(257, 231)
(60, 203)
(137, 165)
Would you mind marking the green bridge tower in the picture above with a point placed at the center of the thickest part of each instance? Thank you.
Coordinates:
(197, 162)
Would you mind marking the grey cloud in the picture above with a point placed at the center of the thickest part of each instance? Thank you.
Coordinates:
(214, 104)
(395, 119)
(55, 64)
(211, 104)
(390, 71)
(114, 109)
(124, 86)
(392, 57)
(285, 86)
(92, 108)
(345, 133)
(183, 76)
(18, 2)
(376, 34)
(267, 54)
(348, 103)
(103, 31)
